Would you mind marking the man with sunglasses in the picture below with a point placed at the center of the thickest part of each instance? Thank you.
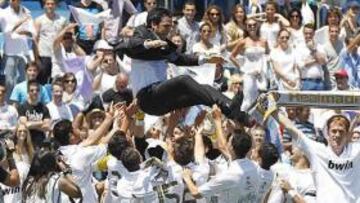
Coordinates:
(35, 115)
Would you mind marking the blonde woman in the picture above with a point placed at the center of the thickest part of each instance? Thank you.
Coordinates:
(215, 17)
(23, 154)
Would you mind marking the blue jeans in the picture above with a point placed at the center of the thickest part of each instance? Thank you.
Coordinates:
(13, 68)
(312, 84)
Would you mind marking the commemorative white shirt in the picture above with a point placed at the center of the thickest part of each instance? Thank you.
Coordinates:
(81, 159)
(335, 176)
(236, 184)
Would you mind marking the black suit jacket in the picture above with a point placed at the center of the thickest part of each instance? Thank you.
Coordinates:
(134, 48)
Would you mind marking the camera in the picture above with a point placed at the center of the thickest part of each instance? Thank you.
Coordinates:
(4, 135)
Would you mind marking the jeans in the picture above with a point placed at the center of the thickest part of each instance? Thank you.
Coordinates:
(179, 92)
(13, 68)
(312, 84)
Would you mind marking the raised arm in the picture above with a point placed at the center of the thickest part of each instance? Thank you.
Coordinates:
(59, 37)
(239, 47)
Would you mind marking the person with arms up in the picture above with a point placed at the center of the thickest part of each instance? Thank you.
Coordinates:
(335, 166)
(150, 51)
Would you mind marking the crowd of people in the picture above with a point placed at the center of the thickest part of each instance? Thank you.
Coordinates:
(100, 111)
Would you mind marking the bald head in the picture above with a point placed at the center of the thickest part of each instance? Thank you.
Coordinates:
(121, 82)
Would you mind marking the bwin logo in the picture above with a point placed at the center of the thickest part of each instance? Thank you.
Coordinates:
(343, 166)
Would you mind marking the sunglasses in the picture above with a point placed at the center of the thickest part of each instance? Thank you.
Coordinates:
(70, 81)
(251, 25)
(206, 31)
(285, 37)
(294, 16)
(151, 3)
(214, 14)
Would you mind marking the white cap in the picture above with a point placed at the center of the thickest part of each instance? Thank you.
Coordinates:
(102, 44)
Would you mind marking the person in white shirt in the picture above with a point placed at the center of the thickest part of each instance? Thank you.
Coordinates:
(139, 18)
(310, 58)
(284, 63)
(81, 157)
(187, 26)
(57, 108)
(47, 27)
(238, 183)
(64, 47)
(294, 183)
(8, 113)
(18, 29)
(117, 144)
(335, 166)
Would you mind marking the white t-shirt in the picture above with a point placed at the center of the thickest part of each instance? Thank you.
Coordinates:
(137, 19)
(81, 159)
(49, 29)
(301, 180)
(314, 71)
(115, 173)
(335, 176)
(8, 117)
(286, 60)
(14, 194)
(266, 178)
(58, 58)
(236, 184)
(269, 32)
(59, 112)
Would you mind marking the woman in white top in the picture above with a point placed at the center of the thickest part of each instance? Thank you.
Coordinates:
(24, 151)
(214, 16)
(273, 23)
(253, 48)
(70, 95)
(204, 46)
(284, 65)
(296, 28)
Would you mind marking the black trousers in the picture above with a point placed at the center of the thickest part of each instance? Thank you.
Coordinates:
(45, 70)
(182, 91)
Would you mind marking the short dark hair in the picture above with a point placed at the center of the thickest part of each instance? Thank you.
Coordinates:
(183, 151)
(57, 83)
(156, 14)
(32, 64)
(62, 131)
(268, 154)
(190, 3)
(117, 144)
(241, 143)
(32, 83)
(131, 159)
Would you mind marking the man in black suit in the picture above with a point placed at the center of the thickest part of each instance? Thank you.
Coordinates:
(150, 51)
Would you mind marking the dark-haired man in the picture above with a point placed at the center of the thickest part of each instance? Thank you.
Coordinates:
(150, 51)
(310, 58)
(35, 115)
(238, 182)
(187, 26)
(82, 156)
